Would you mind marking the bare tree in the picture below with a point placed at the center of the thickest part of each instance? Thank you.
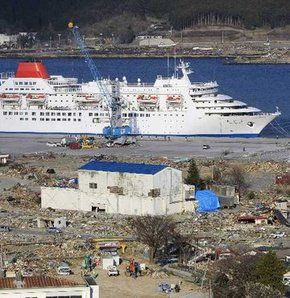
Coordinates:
(153, 231)
(183, 245)
(238, 178)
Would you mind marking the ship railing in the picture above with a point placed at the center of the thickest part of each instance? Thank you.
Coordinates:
(68, 90)
(207, 84)
(140, 85)
(207, 91)
(7, 75)
(264, 113)
(160, 77)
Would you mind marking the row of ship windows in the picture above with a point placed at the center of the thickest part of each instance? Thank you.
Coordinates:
(90, 114)
(57, 101)
(52, 119)
(151, 89)
(43, 114)
(210, 108)
(149, 115)
(25, 83)
(221, 108)
(22, 89)
(58, 94)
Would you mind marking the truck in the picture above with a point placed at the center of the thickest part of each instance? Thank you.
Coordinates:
(113, 271)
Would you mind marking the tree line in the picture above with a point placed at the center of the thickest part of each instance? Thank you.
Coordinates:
(38, 15)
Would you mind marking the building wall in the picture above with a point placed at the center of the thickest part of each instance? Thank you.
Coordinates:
(84, 292)
(153, 41)
(4, 38)
(169, 181)
(132, 184)
(133, 199)
(61, 198)
(73, 199)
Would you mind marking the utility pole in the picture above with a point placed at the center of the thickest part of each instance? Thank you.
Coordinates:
(59, 36)
(113, 39)
(2, 257)
(204, 274)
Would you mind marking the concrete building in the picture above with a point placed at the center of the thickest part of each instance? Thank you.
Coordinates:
(153, 41)
(47, 287)
(6, 39)
(132, 189)
(4, 159)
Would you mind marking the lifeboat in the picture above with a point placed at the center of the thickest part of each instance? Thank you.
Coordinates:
(35, 97)
(147, 99)
(92, 98)
(9, 97)
(88, 99)
(173, 98)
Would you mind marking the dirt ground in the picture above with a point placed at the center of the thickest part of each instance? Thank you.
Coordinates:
(141, 287)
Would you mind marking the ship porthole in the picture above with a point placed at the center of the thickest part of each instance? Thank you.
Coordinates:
(251, 124)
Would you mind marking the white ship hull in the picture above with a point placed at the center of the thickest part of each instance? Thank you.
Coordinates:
(34, 102)
(179, 124)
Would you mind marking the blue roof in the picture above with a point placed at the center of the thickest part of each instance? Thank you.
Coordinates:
(122, 167)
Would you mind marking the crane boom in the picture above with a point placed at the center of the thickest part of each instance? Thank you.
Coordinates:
(115, 130)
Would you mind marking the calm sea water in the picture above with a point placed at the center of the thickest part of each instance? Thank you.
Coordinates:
(261, 86)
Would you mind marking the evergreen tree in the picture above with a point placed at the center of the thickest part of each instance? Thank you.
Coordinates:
(269, 271)
(193, 177)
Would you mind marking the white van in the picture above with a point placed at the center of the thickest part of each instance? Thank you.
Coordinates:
(63, 269)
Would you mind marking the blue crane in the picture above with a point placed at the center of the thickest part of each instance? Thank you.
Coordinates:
(115, 129)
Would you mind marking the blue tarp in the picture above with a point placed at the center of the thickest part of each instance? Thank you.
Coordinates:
(207, 201)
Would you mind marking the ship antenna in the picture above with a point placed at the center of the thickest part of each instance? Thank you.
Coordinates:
(167, 64)
(174, 62)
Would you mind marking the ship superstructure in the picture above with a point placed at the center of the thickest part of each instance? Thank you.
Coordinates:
(33, 101)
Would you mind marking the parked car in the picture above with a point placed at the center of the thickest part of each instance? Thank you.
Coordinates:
(27, 272)
(53, 230)
(75, 146)
(113, 271)
(5, 229)
(168, 288)
(205, 147)
(64, 269)
(165, 261)
(278, 235)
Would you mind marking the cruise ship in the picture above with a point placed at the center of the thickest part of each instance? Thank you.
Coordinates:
(32, 101)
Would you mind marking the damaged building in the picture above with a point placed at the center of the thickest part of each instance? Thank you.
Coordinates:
(125, 188)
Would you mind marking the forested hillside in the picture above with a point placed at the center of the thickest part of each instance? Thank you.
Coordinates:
(38, 15)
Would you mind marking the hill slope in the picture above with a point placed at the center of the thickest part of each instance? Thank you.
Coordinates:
(43, 15)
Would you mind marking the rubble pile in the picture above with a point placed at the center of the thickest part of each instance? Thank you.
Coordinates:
(30, 247)
(266, 166)
(20, 195)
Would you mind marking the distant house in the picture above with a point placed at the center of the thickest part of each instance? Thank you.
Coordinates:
(4, 159)
(283, 179)
(6, 39)
(256, 219)
(153, 41)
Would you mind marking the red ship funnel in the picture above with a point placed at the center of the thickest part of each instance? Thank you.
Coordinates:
(31, 70)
